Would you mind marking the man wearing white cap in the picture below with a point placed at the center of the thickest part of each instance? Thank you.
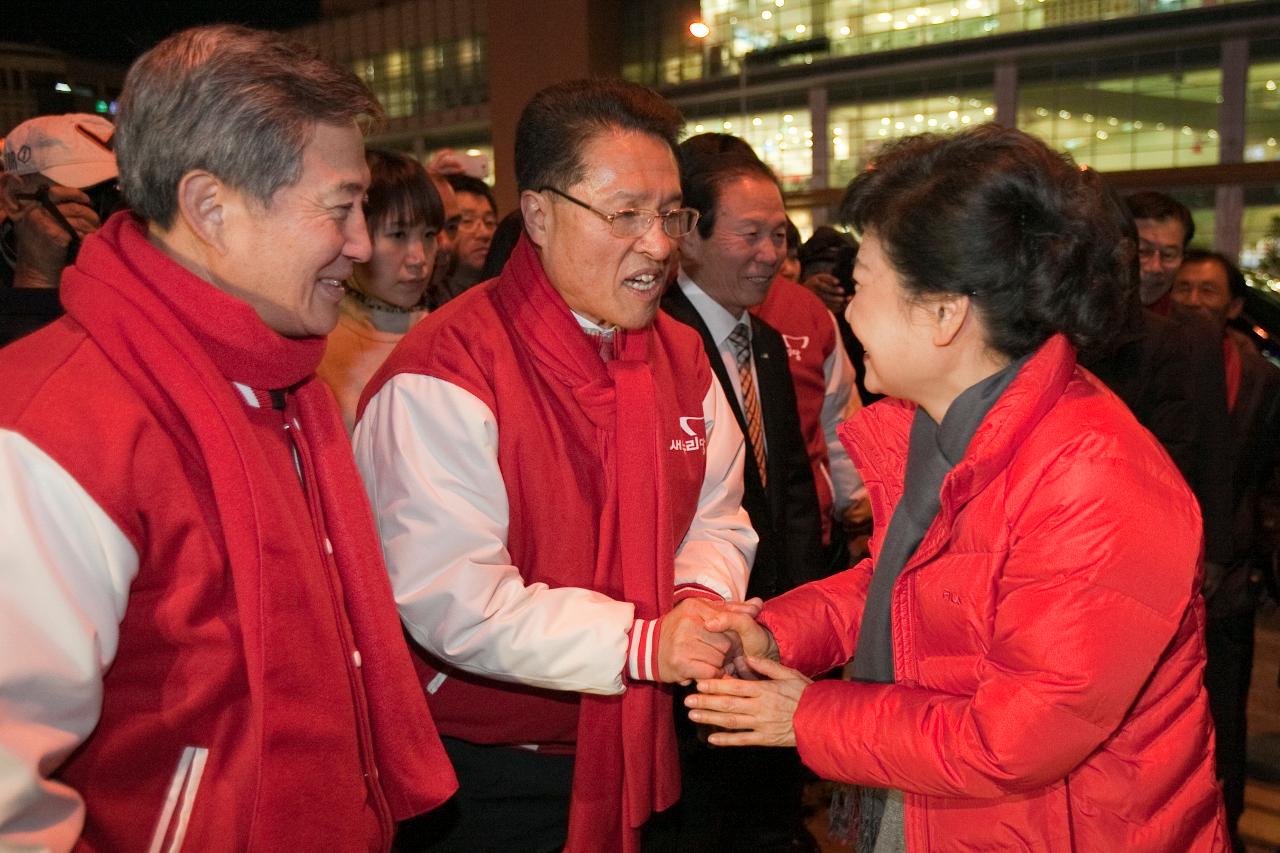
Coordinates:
(57, 186)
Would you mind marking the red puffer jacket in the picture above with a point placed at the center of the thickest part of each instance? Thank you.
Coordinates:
(1048, 636)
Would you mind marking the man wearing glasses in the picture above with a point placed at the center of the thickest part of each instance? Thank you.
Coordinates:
(58, 186)
(557, 480)
(1165, 228)
(1188, 344)
(479, 218)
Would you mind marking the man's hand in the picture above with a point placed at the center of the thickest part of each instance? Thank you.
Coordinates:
(758, 713)
(857, 514)
(827, 288)
(686, 648)
(737, 622)
(41, 242)
(445, 162)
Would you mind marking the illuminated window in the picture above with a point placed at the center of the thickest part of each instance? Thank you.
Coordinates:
(660, 51)
(1260, 232)
(423, 80)
(861, 125)
(1116, 121)
(1262, 108)
(782, 138)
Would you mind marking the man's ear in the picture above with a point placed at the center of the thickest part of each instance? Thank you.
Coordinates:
(689, 250)
(536, 209)
(1234, 307)
(948, 315)
(203, 202)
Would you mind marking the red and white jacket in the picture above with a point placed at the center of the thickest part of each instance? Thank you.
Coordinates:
(825, 393)
(173, 679)
(486, 574)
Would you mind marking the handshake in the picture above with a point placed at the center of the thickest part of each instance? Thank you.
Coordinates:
(743, 689)
(702, 639)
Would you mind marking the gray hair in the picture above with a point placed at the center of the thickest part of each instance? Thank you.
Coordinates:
(241, 104)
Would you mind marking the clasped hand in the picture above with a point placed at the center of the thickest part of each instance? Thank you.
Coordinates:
(741, 685)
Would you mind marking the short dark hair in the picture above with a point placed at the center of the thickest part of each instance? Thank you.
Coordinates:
(505, 238)
(240, 103)
(994, 214)
(463, 183)
(824, 243)
(399, 186)
(793, 239)
(1236, 285)
(1158, 206)
(708, 161)
(559, 121)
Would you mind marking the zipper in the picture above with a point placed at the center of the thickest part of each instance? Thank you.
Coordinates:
(292, 428)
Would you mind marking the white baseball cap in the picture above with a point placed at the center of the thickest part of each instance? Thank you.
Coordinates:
(73, 150)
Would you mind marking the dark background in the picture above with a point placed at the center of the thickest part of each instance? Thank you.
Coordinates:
(119, 32)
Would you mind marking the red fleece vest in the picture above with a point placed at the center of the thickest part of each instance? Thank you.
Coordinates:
(508, 342)
(262, 663)
(806, 328)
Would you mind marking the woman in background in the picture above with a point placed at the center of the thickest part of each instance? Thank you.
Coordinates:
(1027, 635)
(385, 297)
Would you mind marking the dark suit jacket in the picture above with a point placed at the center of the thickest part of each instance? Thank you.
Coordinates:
(1169, 373)
(1255, 447)
(785, 515)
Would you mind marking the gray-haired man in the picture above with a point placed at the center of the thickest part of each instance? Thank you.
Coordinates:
(210, 654)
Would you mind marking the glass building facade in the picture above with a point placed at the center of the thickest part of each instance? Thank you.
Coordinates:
(1156, 93)
(421, 80)
(800, 31)
(426, 61)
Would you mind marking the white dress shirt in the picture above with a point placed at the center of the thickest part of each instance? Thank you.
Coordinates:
(720, 323)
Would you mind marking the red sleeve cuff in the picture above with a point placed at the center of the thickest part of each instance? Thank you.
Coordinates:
(695, 590)
(642, 650)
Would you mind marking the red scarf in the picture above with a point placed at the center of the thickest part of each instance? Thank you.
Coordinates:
(626, 765)
(179, 342)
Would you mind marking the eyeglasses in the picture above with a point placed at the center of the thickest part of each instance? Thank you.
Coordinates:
(451, 225)
(1169, 255)
(471, 223)
(636, 221)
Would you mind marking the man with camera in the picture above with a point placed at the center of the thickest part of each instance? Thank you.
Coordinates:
(58, 185)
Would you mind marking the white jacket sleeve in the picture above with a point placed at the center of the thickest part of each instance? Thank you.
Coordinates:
(428, 452)
(65, 572)
(718, 549)
(839, 403)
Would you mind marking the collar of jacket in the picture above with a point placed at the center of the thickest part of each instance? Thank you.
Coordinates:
(877, 440)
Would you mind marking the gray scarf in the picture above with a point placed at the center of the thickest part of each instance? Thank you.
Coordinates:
(933, 451)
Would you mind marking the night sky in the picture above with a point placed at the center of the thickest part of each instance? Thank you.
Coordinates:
(117, 33)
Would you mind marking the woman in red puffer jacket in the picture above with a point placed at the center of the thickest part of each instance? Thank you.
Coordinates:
(1027, 636)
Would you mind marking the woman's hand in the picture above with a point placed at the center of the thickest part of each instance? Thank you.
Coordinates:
(737, 621)
(759, 713)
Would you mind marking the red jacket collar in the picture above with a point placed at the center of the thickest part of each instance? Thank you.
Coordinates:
(877, 437)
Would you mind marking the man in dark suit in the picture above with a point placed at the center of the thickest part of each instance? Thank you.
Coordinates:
(748, 800)
(1210, 285)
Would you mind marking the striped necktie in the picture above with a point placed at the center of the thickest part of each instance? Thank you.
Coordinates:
(750, 401)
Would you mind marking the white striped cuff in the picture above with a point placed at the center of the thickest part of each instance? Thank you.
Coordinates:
(642, 650)
(695, 590)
